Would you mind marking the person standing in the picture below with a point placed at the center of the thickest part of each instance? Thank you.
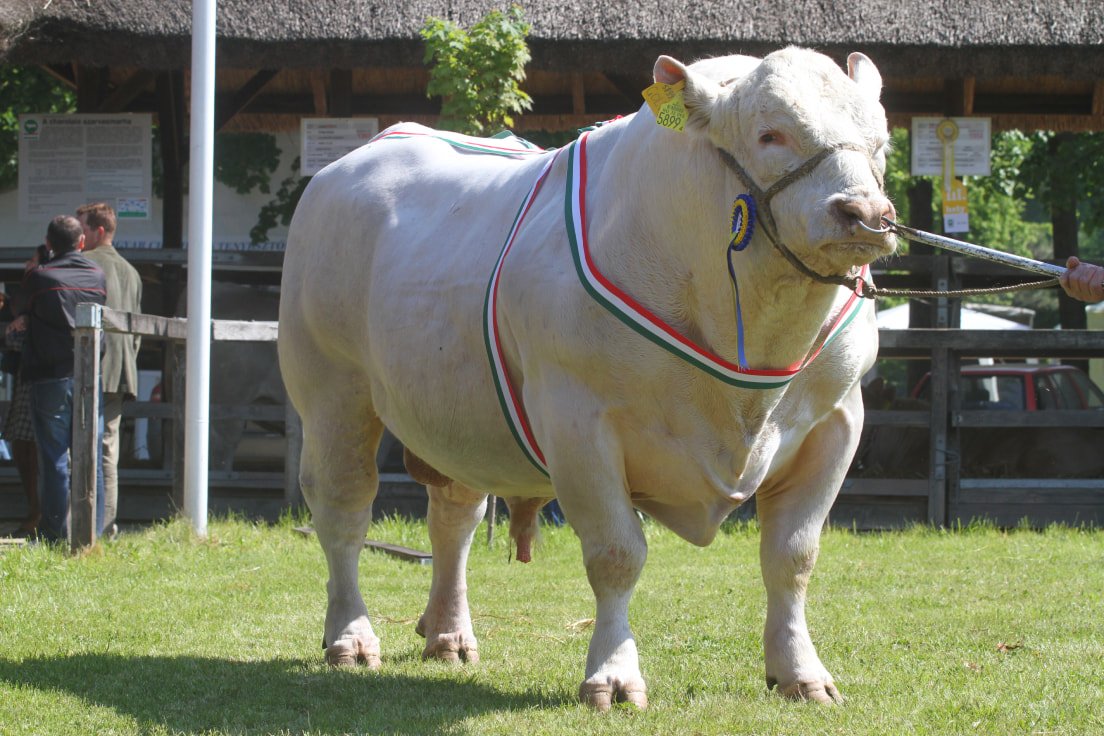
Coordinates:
(17, 430)
(119, 367)
(54, 288)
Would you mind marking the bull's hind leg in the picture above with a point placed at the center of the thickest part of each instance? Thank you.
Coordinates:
(454, 513)
(339, 479)
(791, 517)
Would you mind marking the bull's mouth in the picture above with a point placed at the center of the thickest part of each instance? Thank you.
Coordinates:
(860, 251)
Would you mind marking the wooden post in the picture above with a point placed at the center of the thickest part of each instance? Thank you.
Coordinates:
(177, 350)
(88, 336)
(1064, 225)
(944, 456)
(170, 120)
(921, 313)
(952, 443)
(940, 411)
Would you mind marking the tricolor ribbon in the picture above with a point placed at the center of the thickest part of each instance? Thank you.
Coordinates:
(652, 327)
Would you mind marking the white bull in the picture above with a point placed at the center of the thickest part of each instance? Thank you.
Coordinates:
(587, 340)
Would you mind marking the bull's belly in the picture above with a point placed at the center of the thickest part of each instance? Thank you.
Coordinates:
(481, 457)
(447, 412)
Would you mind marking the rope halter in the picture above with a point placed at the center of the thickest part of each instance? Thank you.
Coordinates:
(853, 280)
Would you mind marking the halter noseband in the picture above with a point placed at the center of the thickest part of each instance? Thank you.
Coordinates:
(853, 282)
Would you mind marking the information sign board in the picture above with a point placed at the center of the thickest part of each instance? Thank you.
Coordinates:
(325, 140)
(66, 160)
(971, 147)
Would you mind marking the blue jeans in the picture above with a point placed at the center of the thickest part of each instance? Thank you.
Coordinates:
(52, 418)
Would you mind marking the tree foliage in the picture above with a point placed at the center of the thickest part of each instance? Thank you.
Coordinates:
(27, 89)
(1069, 168)
(998, 203)
(477, 73)
(279, 210)
(246, 161)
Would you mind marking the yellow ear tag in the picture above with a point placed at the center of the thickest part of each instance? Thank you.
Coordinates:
(668, 105)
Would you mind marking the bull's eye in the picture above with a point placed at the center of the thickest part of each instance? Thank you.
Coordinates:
(770, 138)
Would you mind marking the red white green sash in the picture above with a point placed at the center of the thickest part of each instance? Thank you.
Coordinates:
(508, 397)
(501, 144)
(652, 327)
(509, 145)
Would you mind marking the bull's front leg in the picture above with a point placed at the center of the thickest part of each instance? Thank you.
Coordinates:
(791, 517)
(454, 513)
(595, 501)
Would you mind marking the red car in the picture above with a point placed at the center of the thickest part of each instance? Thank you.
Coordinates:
(1022, 387)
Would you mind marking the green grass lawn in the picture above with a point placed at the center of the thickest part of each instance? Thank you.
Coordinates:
(926, 632)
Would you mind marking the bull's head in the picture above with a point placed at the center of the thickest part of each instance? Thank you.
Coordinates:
(808, 140)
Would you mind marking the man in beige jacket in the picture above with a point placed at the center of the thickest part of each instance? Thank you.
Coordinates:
(119, 369)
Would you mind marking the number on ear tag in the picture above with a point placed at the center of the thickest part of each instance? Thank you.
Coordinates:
(667, 104)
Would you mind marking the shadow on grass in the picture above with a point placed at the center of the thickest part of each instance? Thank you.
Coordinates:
(196, 694)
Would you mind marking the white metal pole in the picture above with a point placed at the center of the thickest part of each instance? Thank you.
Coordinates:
(200, 197)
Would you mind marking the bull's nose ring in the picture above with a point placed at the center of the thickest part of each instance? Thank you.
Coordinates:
(880, 231)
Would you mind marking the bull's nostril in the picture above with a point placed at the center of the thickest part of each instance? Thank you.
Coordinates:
(850, 211)
(868, 211)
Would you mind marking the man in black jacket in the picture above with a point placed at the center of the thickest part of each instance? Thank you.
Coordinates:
(54, 289)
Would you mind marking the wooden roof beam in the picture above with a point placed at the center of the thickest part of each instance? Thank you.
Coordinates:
(243, 97)
(90, 86)
(959, 96)
(341, 93)
(61, 72)
(630, 86)
(578, 94)
(125, 93)
(318, 90)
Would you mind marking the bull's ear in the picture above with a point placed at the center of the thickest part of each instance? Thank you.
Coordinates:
(699, 93)
(862, 70)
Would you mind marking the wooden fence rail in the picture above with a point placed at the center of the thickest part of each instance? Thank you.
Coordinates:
(950, 497)
(945, 495)
(92, 320)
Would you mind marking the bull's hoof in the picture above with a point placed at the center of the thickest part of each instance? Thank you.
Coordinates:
(456, 647)
(602, 694)
(353, 651)
(820, 691)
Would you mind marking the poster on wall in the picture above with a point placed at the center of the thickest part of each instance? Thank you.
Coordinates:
(325, 140)
(970, 146)
(69, 160)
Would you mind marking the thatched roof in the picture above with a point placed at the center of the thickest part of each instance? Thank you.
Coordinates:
(979, 38)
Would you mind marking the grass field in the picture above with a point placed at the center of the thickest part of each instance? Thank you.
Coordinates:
(926, 632)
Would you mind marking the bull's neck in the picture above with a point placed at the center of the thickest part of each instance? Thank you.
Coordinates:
(660, 226)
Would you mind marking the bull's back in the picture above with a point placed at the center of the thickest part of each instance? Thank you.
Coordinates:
(399, 217)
